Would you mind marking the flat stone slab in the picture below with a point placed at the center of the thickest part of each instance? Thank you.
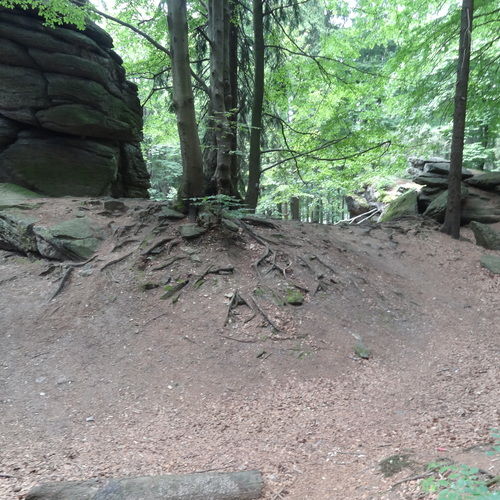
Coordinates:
(491, 262)
(191, 231)
(488, 181)
(245, 485)
(170, 214)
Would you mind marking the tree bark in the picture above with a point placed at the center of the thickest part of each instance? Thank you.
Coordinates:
(295, 207)
(192, 184)
(254, 166)
(451, 224)
(233, 102)
(218, 19)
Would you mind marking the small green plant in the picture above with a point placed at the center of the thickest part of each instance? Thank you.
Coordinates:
(456, 482)
(221, 206)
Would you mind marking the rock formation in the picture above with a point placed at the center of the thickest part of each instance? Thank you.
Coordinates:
(70, 123)
(480, 193)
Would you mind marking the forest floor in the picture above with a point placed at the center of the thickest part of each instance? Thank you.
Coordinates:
(108, 379)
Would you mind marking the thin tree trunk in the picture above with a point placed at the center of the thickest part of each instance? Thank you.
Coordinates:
(285, 210)
(295, 208)
(219, 36)
(233, 101)
(192, 169)
(254, 168)
(451, 224)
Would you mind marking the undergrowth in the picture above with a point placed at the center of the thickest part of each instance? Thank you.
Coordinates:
(461, 482)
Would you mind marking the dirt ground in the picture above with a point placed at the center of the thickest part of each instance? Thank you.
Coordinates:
(107, 379)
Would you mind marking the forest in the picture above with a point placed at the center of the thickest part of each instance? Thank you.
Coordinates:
(249, 249)
(291, 106)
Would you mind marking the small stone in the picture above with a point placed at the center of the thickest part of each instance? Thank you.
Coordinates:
(294, 297)
(90, 419)
(362, 351)
(115, 206)
(167, 213)
(191, 231)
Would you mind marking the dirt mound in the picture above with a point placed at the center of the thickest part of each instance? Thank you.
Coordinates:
(236, 350)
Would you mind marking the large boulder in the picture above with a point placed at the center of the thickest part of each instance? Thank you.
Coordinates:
(486, 236)
(443, 168)
(489, 181)
(402, 206)
(437, 209)
(70, 122)
(481, 206)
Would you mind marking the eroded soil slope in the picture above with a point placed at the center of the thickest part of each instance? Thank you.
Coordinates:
(109, 378)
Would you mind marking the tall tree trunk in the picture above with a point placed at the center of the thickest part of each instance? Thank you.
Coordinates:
(254, 169)
(218, 19)
(233, 101)
(295, 207)
(451, 224)
(192, 169)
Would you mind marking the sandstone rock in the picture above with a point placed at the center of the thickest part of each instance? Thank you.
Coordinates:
(245, 485)
(485, 236)
(74, 239)
(12, 196)
(432, 180)
(60, 165)
(70, 123)
(491, 262)
(191, 231)
(443, 169)
(167, 213)
(481, 206)
(437, 209)
(488, 181)
(402, 206)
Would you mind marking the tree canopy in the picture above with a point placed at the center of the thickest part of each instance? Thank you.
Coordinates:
(302, 100)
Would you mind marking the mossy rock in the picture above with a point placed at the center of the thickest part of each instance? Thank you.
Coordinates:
(167, 213)
(437, 208)
(488, 181)
(485, 236)
(294, 297)
(394, 464)
(191, 231)
(14, 196)
(362, 351)
(491, 262)
(402, 206)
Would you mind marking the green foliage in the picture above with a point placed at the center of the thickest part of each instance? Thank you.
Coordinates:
(54, 12)
(164, 164)
(221, 206)
(457, 482)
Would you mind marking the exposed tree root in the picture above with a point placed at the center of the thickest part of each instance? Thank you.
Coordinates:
(62, 282)
(169, 262)
(6, 280)
(123, 243)
(151, 248)
(235, 301)
(115, 261)
(264, 315)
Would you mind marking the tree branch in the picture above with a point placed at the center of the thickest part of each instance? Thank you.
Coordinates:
(152, 41)
(324, 146)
